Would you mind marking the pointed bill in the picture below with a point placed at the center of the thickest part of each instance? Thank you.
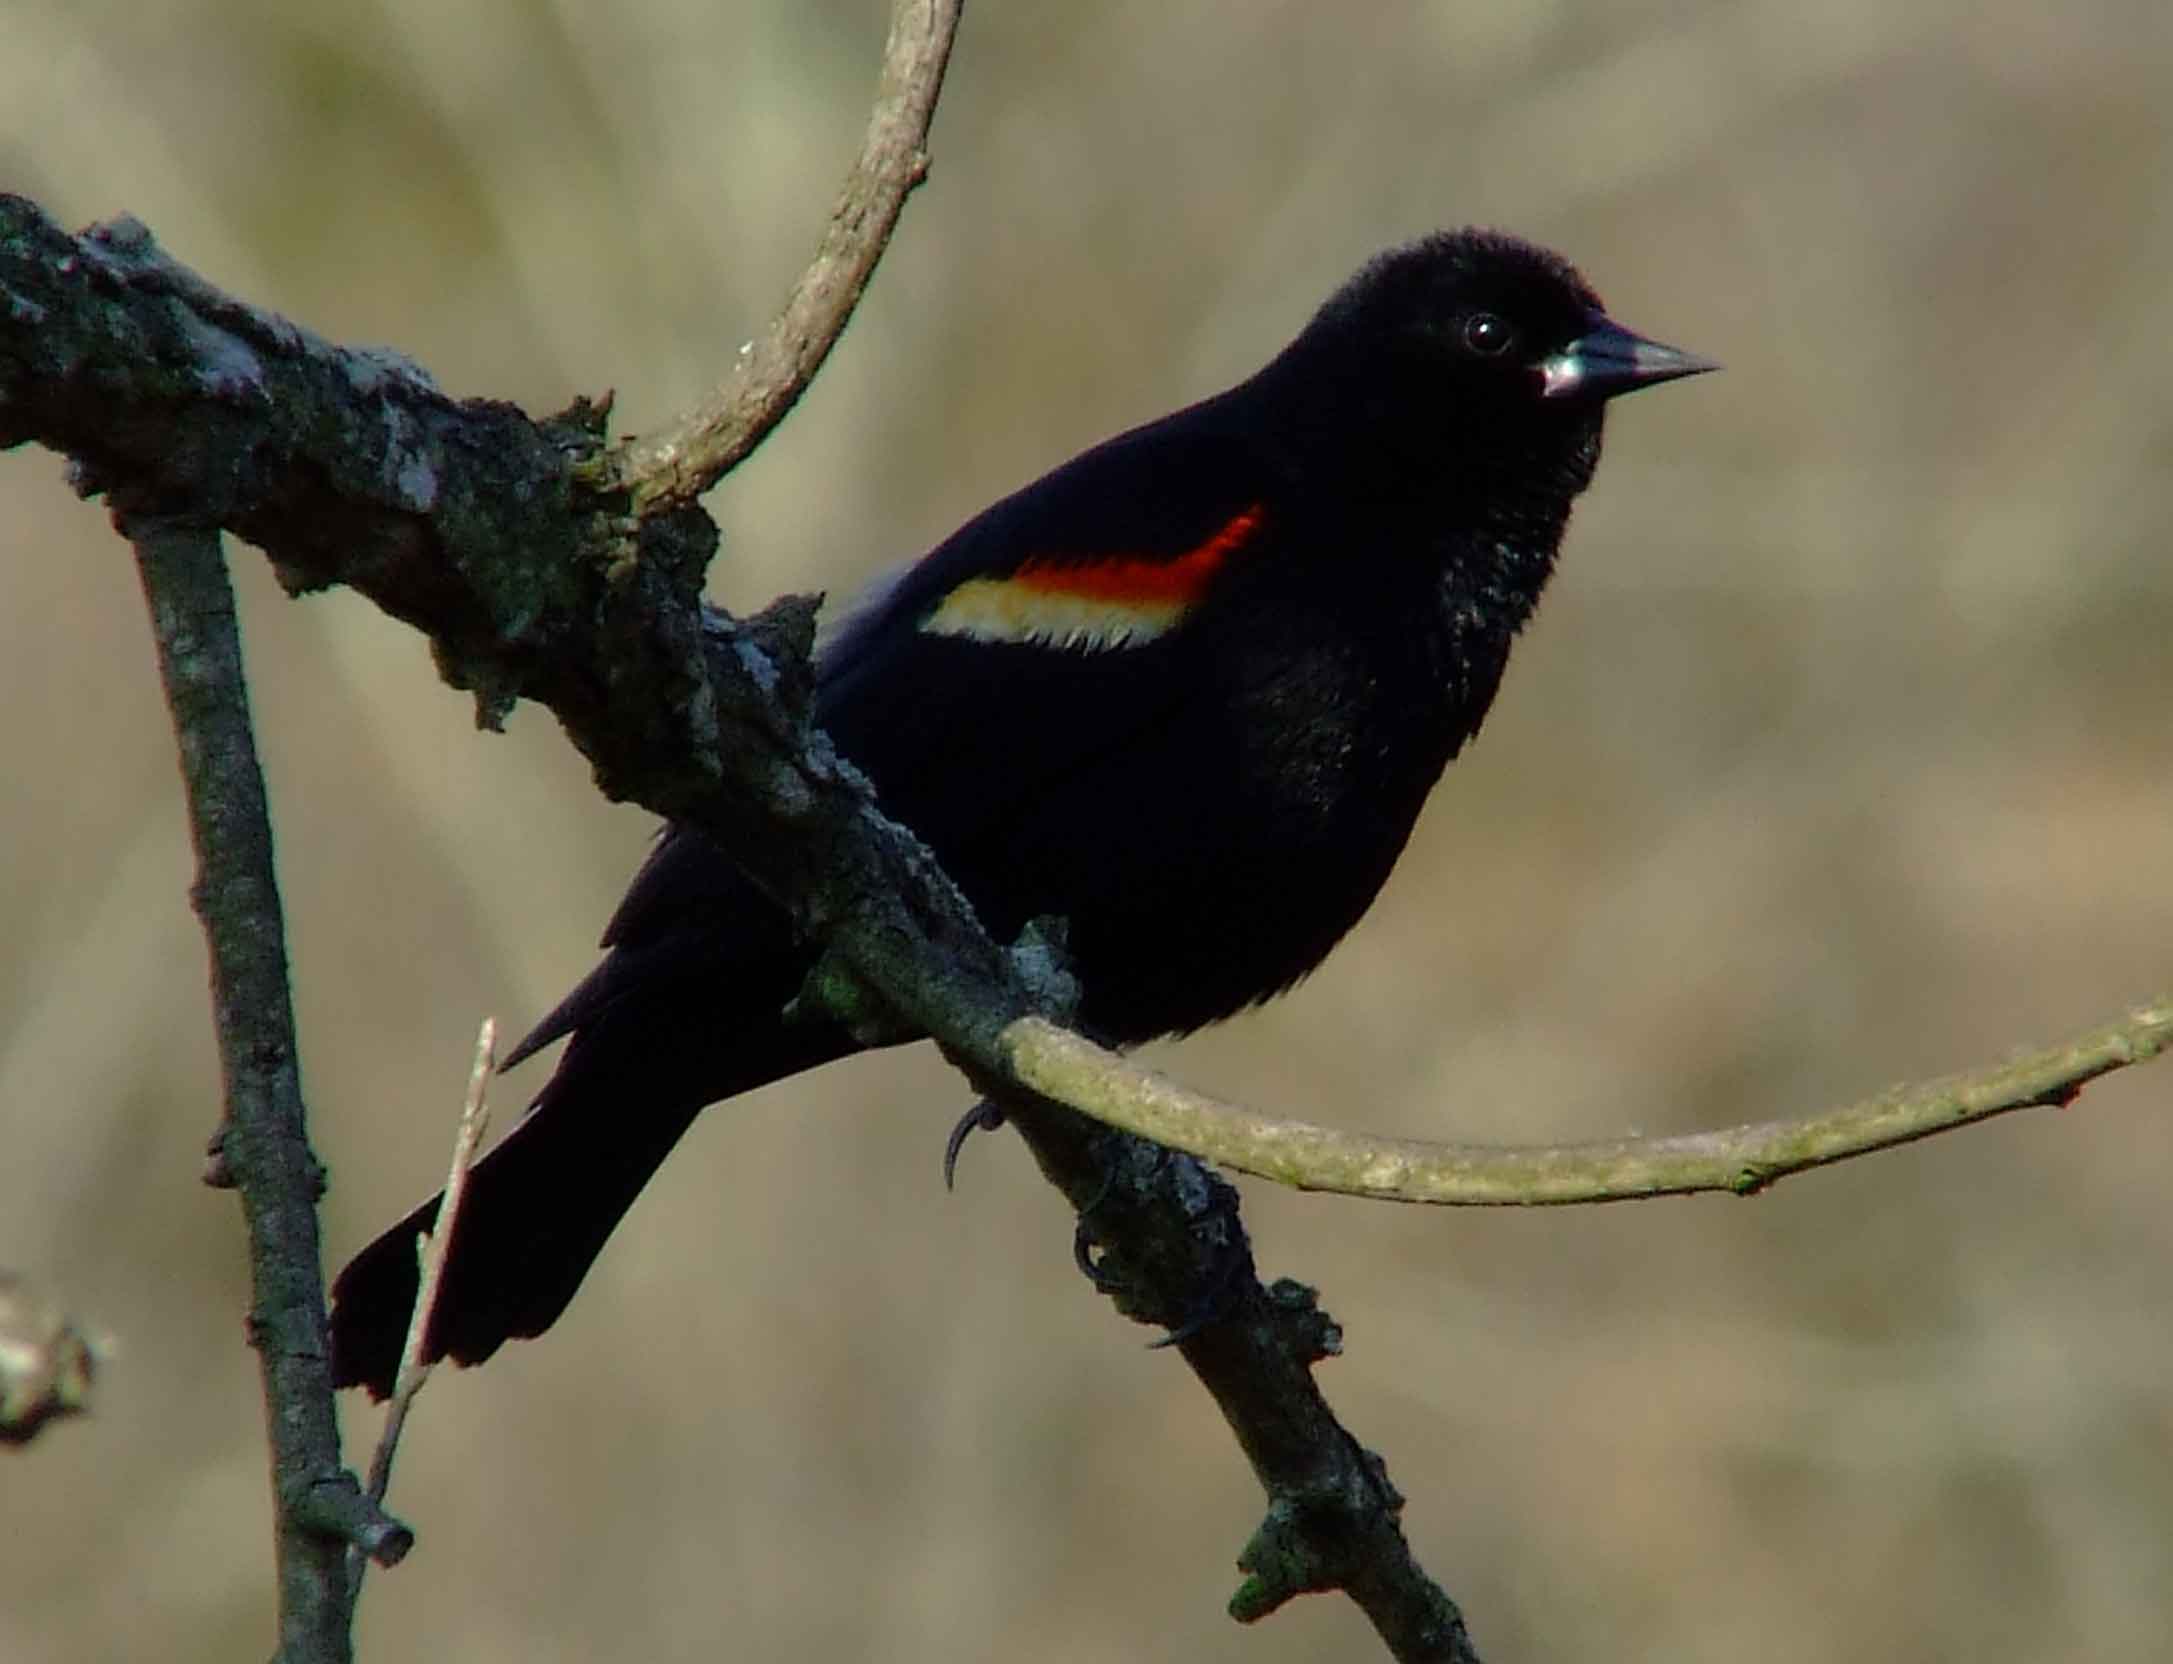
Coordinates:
(1608, 360)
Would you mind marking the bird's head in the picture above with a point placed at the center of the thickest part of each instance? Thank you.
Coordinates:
(1469, 348)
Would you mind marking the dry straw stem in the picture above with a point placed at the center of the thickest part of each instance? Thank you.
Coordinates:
(1744, 1160)
(433, 1247)
(669, 469)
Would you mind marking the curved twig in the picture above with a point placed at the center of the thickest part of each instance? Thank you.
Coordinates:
(669, 469)
(1742, 1160)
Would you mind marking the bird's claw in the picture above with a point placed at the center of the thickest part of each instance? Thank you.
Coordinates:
(1082, 1237)
(984, 1116)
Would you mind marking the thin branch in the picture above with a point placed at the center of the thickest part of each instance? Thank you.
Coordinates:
(1743, 1160)
(434, 1246)
(672, 468)
(318, 1507)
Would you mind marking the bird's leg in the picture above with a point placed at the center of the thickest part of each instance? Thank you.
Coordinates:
(1183, 1297)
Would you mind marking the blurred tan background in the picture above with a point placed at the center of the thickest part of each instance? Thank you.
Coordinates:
(1838, 756)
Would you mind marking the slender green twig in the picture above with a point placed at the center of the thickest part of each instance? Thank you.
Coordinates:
(1744, 1159)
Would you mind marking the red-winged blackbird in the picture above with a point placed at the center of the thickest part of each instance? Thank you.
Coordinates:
(1187, 692)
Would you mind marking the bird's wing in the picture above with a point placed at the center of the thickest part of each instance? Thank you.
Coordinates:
(1036, 638)
(1047, 630)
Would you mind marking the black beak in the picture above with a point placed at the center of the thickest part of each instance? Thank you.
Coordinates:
(1607, 360)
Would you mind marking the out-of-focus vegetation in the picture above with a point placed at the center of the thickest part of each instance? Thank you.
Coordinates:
(1838, 755)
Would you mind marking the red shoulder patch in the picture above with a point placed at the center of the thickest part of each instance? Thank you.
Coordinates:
(1117, 601)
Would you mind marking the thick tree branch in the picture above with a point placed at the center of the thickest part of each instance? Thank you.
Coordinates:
(670, 469)
(320, 1508)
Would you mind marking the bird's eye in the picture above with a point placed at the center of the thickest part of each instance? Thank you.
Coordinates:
(1487, 336)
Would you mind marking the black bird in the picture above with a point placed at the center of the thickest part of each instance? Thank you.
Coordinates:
(1188, 692)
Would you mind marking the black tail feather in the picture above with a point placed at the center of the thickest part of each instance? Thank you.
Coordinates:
(541, 1205)
(538, 1211)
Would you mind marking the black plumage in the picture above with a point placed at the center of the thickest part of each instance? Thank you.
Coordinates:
(1188, 691)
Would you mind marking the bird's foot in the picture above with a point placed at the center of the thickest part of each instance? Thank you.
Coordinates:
(1197, 1282)
(1227, 1272)
(1084, 1243)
